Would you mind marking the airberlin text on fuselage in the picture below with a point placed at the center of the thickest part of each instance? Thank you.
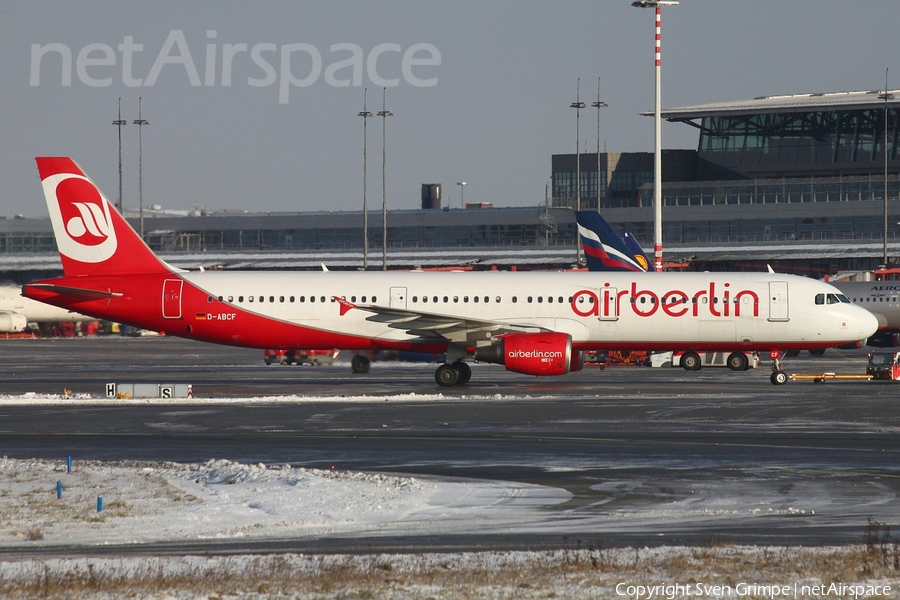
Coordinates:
(674, 303)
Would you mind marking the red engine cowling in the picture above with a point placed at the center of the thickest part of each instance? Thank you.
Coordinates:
(534, 353)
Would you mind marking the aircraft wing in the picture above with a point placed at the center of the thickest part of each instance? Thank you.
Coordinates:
(435, 326)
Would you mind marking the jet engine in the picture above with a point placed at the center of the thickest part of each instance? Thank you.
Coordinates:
(12, 322)
(534, 353)
(884, 339)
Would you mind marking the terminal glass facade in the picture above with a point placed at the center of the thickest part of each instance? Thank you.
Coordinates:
(796, 143)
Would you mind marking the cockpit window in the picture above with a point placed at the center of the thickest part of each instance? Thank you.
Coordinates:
(820, 299)
(844, 299)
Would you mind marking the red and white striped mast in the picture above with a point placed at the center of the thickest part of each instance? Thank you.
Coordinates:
(657, 145)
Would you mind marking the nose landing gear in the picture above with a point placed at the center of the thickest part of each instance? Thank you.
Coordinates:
(778, 377)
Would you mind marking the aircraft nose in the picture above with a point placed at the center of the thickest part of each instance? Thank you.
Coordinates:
(868, 324)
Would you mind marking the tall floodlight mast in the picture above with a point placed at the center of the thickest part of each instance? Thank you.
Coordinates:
(598, 105)
(657, 146)
(365, 114)
(119, 123)
(886, 96)
(577, 105)
(384, 113)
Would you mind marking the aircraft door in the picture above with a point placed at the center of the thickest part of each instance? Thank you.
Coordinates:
(398, 297)
(609, 304)
(778, 301)
(171, 298)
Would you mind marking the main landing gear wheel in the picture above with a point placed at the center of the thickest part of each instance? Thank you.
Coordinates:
(737, 361)
(360, 364)
(447, 375)
(465, 371)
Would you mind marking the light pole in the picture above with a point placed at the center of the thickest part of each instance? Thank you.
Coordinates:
(462, 193)
(598, 105)
(657, 146)
(886, 96)
(578, 105)
(384, 114)
(118, 123)
(140, 122)
(365, 114)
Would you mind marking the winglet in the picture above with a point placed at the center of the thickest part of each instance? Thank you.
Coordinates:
(344, 304)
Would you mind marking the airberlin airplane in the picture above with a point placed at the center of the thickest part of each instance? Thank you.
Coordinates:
(536, 323)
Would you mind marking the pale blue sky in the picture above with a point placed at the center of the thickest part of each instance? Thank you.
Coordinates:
(497, 111)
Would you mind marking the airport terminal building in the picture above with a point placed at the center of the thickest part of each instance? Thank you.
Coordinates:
(794, 181)
(802, 167)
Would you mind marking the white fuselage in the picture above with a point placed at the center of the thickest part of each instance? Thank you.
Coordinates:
(881, 298)
(610, 310)
(18, 309)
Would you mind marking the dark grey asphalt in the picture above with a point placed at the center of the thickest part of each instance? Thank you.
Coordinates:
(623, 440)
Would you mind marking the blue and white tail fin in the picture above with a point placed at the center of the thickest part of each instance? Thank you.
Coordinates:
(604, 250)
(635, 250)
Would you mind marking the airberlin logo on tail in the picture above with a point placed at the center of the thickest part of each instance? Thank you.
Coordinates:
(89, 226)
(80, 217)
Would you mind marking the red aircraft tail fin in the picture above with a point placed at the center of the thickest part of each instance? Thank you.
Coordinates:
(92, 238)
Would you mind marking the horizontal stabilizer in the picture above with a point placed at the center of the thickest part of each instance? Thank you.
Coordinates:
(66, 290)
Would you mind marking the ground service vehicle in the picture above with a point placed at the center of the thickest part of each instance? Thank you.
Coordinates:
(693, 361)
(287, 357)
(884, 366)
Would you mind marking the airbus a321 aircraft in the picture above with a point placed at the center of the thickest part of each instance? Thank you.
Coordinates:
(536, 323)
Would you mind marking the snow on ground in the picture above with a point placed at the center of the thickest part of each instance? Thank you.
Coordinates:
(34, 399)
(220, 499)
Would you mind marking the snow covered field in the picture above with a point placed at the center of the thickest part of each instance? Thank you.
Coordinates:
(221, 499)
(218, 499)
(224, 500)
